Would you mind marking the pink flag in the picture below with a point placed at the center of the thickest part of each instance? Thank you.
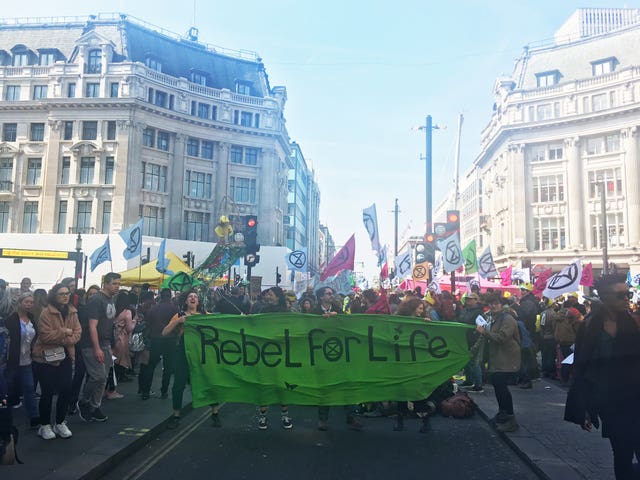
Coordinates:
(587, 275)
(343, 260)
(384, 272)
(505, 275)
(541, 282)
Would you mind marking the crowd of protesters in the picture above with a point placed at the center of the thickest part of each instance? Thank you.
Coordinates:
(62, 342)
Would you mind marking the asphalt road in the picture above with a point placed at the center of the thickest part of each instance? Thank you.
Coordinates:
(466, 448)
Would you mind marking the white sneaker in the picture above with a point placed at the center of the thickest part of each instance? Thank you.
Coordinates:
(62, 430)
(46, 432)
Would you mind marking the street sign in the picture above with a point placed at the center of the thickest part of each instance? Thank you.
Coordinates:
(38, 254)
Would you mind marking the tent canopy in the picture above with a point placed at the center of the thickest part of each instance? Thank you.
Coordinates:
(147, 273)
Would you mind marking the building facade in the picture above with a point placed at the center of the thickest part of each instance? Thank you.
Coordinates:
(562, 147)
(303, 222)
(108, 119)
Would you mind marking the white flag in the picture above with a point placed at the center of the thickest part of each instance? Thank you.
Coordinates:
(521, 274)
(566, 281)
(451, 252)
(486, 267)
(437, 268)
(404, 265)
(370, 219)
(297, 260)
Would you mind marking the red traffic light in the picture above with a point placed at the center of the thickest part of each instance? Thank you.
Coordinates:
(251, 222)
(453, 217)
(429, 238)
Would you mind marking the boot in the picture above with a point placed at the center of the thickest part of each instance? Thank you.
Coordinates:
(500, 417)
(509, 425)
(426, 424)
(398, 426)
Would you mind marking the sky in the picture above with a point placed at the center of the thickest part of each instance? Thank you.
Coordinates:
(360, 78)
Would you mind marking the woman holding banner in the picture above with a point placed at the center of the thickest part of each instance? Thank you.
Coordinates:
(189, 305)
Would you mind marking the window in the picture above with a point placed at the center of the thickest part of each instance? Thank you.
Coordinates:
(6, 175)
(39, 92)
(615, 237)
(9, 132)
(163, 141)
(12, 93)
(196, 226)
(197, 184)
(251, 156)
(154, 64)
(612, 142)
(153, 224)
(149, 137)
(113, 89)
(236, 154)
(243, 190)
(65, 171)
(246, 119)
(37, 132)
(20, 59)
(256, 119)
(94, 61)
(111, 130)
(34, 171)
(243, 88)
(4, 217)
(68, 130)
(549, 233)
(89, 130)
(154, 177)
(93, 90)
(62, 216)
(545, 112)
(607, 65)
(109, 170)
(555, 152)
(71, 90)
(203, 110)
(199, 78)
(83, 216)
(547, 79)
(548, 189)
(161, 99)
(606, 144)
(611, 178)
(599, 102)
(87, 166)
(193, 146)
(30, 218)
(206, 150)
(47, 58)
(106, 217)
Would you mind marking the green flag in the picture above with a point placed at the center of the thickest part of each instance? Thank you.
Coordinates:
(297, 359)
(470, 258)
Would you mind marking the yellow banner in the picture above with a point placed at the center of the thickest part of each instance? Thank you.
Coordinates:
(49, 254)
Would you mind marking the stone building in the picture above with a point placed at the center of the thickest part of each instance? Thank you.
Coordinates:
(561, 146)
(107, 119)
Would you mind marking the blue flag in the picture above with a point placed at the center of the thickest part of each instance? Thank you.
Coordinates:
(100, 255)
(162, 265)
(132, 236)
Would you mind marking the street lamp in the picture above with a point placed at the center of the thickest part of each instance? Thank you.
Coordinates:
(78, 256)
(428, 128)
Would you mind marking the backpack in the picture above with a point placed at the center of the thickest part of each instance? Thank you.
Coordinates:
(458, 406)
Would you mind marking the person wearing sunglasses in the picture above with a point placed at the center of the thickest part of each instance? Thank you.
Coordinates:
(606, 387)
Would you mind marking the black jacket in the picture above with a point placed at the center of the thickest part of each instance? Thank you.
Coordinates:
(12, 323)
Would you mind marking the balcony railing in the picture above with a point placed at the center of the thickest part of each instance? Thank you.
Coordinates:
(82, 230)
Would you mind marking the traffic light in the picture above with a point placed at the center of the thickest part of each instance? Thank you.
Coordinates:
(278, 277)
(453, 221)
(252, 247)
(187, 257)
(429, 248)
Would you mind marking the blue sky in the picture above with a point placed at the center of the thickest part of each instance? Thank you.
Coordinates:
(359, 77)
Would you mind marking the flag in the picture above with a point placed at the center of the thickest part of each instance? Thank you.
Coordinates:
(521, 274)
(100, 255)
(451, 252)
(132, 237)
(343, 260)
(403, 265)
(162, 265)
(541, 282)
(470, 257)
(505, 275)
(565, 281)
(486, 267)
(473, 283)
(370, 219)
(437, 268)
(587, 275)
(298, 260)
(384, 271)
(341, 283)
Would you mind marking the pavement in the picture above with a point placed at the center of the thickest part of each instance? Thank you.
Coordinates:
(555, 449)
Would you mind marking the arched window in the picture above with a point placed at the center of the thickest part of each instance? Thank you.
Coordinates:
(94, 61)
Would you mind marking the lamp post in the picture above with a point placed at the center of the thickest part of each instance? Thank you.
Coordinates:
(78, 256)
(428, 128)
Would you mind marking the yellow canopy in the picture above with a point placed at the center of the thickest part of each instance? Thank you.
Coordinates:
(147, 273)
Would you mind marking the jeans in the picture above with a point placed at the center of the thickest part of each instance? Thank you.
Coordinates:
(473, 372)
(79, 372)
(54, 380)
(20, 382)
(164, 347)
(500, 381)
(96, 375)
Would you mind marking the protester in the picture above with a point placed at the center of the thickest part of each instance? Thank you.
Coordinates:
(606, 383)
(189, 305)
(472, 371)
(19, 371)
(96, 348)
(123, 326)
(565, 331)
(53, 353)
(503, 337)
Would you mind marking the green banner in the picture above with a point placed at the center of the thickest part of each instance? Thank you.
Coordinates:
(298, 359)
